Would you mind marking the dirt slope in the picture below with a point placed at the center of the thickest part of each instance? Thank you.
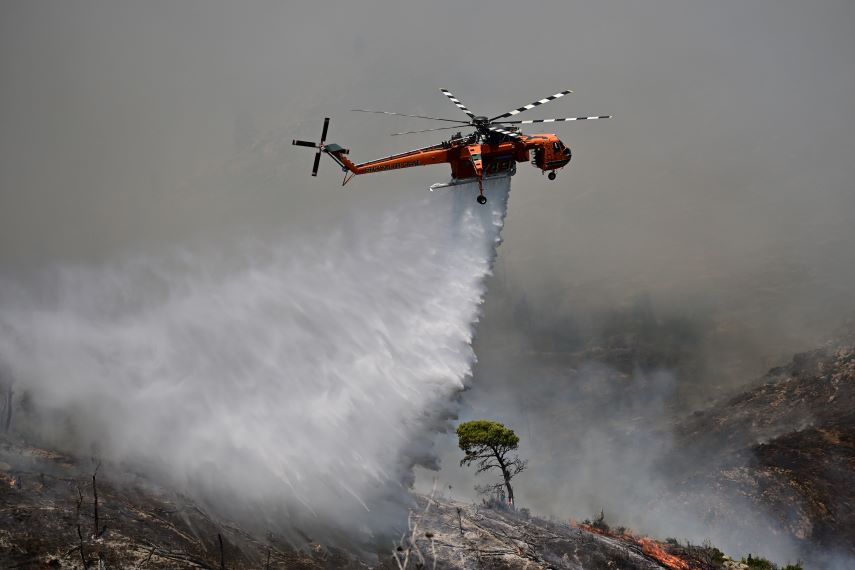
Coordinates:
(787, 447)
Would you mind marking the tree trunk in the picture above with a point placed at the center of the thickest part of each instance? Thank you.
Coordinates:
(507, 477)
(510, 489)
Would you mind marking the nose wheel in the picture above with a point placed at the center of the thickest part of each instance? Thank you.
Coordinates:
(552, 175)
(481, 198)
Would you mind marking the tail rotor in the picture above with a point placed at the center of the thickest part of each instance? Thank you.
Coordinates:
(319, 146)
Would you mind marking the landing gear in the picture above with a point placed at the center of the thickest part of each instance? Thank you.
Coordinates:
(481, 198)
(552, 175)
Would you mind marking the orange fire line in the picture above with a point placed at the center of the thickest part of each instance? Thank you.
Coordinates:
(649, 547)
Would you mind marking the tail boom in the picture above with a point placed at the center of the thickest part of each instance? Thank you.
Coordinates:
(436, 154)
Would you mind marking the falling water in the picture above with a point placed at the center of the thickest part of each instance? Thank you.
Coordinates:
(304, 375)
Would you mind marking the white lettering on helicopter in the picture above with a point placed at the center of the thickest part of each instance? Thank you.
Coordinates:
(393, 166)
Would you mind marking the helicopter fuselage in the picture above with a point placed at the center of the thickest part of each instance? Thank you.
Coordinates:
(471, 157)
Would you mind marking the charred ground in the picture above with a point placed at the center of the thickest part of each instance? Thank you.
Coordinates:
(47, 520)
(787, 447)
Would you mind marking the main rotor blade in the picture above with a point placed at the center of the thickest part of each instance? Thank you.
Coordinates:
(427, 130)
(532, 105)
(324, 132)
(552, 120)
(457, 102)
(304, 143)
(416, 116)
(504, 132)
(317, 163)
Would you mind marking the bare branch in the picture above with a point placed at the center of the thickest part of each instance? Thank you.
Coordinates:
(95, 504)
(82, 555)
(408, 544)
(222, 554)
(144, 562)
(516, 466)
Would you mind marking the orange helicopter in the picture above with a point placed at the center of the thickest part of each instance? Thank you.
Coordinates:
(491, 151)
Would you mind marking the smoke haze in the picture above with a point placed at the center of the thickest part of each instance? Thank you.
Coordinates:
(726, 165)
(714, 208)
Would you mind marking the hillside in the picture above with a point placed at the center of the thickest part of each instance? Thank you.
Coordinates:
(48, 520)
(787, 447)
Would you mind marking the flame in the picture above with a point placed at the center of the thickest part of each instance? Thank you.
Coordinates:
(652, 549)
(649, 546)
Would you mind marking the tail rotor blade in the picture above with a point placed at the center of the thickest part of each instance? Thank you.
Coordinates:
(320, 146)
(324, 132)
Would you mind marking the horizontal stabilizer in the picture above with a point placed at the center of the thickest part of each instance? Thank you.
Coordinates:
(332, 147)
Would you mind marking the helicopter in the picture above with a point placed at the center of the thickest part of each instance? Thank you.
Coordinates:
(490, 151)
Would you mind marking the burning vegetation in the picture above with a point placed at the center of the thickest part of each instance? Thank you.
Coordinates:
(669, 554)
(673, 555)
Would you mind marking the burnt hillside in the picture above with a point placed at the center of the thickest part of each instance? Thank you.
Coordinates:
(787, 447)
(48, 520)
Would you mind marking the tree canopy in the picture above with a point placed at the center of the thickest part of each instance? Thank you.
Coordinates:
(471, 436)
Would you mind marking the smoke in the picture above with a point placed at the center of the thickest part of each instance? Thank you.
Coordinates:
(595, 398)
(306, 375)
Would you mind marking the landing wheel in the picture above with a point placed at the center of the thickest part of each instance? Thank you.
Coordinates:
(482, 199)
(552, 175)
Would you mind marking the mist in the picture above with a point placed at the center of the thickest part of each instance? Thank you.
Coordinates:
(298, 382)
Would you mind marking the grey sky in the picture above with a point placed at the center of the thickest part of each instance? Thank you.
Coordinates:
(732, 120)
(730, 148)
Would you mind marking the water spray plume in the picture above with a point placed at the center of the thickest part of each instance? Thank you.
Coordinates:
(302, 377)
